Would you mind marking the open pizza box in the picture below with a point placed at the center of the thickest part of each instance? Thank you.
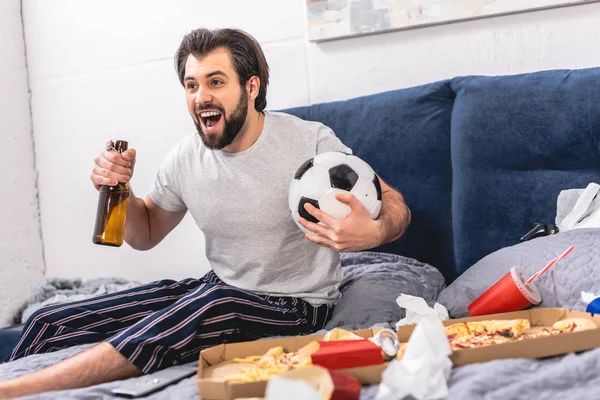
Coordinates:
(217, 362)
(529, 348)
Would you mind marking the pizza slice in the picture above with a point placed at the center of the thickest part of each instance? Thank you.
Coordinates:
(457, 330)
(470, 342)
(507, 328)
(574, 325)
(468, 335)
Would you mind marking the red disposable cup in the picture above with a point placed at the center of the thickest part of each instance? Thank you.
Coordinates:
(508, 294)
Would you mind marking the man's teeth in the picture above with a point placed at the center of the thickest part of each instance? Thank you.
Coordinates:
(209, 114)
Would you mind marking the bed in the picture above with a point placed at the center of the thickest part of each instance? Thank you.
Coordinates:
(373, 281)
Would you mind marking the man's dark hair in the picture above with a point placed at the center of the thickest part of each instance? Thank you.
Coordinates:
(246, 54)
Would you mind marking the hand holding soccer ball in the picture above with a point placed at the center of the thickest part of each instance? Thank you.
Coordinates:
(319, 180)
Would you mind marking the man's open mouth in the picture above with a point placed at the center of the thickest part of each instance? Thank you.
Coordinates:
(210, 118)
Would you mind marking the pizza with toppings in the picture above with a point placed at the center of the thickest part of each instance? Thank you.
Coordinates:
(574, 325)
(468, 335)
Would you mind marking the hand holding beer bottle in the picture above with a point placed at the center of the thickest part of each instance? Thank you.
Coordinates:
(111, 175)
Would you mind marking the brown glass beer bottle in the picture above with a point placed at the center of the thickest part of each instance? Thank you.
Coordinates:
(112, 209)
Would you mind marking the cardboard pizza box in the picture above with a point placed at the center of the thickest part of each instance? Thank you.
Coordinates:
(529, 348)
(216, 362)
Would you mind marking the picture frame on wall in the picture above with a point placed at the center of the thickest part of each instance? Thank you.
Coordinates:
(335, 19)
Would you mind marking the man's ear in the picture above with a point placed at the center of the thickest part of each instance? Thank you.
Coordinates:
(253, 87)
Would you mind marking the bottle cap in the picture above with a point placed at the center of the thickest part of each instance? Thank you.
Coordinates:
(120, 146)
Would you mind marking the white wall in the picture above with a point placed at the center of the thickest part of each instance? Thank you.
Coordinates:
(103, 69)
(21, 259)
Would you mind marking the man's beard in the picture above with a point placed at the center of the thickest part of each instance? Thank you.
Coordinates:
(231, 126)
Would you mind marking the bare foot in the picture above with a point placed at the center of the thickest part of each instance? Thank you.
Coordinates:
(99, 364)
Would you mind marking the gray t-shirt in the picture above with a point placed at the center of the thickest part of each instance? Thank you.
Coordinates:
(240, 202)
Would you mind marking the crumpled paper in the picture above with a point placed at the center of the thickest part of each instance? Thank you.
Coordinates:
(578, 208)
(417, 310)
(424, 370)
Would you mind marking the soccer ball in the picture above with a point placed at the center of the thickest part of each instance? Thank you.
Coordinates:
(319, 178)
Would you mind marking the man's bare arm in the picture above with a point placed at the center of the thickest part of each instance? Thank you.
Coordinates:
(394, 217)
(148, 224)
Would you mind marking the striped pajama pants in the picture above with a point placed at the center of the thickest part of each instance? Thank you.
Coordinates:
(167, 322)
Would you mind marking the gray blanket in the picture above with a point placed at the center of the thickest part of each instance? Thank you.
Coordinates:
(56, 291)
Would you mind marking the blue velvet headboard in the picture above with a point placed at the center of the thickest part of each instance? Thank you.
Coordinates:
(478, 159)
(405, 136)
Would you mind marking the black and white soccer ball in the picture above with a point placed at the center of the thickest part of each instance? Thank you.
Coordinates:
(321, 177)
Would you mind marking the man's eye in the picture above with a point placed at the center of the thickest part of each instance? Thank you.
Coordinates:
(216, 82)
(191, 86)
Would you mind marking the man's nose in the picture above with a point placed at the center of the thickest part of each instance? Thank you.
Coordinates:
(203, 95)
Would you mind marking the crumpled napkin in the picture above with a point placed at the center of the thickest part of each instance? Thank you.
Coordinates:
(424, 370)
(417, 310)
(578, 208)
